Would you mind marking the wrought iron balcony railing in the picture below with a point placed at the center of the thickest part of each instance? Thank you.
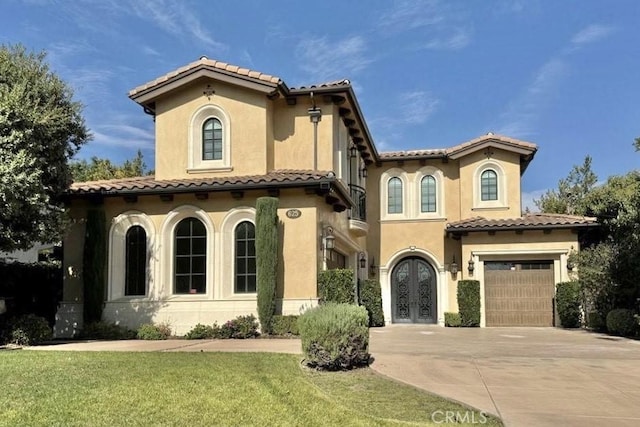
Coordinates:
(359, 197)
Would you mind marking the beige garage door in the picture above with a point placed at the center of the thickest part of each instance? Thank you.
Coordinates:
(519, 293)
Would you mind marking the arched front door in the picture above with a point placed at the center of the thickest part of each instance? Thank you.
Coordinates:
(413, 292)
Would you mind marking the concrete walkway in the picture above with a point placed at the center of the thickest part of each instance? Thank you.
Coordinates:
(527, 376)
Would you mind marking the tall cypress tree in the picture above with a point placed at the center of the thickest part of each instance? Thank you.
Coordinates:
(93, 265)
(266, 259)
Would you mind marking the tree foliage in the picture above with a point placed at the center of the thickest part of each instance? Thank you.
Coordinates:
(570, 196)
(98, 169)
(266, 259)
(41, 128)
(93, 265)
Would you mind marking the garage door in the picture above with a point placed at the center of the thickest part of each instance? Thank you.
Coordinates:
(519, 293)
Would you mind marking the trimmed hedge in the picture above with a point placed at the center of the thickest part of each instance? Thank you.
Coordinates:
(469, 302)
(568, 304)
(622, 322)
(452, 320)
(336, 286)
(266, 259)
(596, 322)
(285, 325)
(106, 331)
(29, 329)
(371, 299)
(335, 336)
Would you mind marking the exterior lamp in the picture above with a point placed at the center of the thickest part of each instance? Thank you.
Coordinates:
(453, 267)
(364, 172)
(372, 267)
(471, 266)
(353, 151)
(363, 260)
(328, 240)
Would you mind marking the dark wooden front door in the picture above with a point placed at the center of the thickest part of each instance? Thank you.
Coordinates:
(413, 292)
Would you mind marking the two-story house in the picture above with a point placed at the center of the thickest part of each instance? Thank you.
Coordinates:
(181, 242)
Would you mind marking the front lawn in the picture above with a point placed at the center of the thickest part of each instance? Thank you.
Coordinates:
(114, 389)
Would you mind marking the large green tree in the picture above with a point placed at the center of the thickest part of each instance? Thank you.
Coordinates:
(41, 128)
(98, 169)
(569, 198)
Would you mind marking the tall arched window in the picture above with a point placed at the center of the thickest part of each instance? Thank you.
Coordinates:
(489, 185)
(428, 194)
(245, 262)
(190, 257)
(212, 139)
(394, 195)
(135, 262)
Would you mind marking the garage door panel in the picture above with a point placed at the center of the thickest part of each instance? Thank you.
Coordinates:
(517, 297)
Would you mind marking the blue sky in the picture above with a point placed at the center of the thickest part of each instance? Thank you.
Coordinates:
(428, 74)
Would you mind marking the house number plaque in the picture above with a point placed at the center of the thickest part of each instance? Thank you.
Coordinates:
(294, 213)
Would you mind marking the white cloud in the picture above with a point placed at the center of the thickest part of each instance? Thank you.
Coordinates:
(148, 50)
(416, 107)
(323, 59)
(591, 34)
(528, 197)
(123, 136)
(459, 38)
(408, 15)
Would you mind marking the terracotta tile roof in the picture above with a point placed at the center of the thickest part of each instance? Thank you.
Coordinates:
(456, 149)
(149, 185)
(334, 83)
(530, 221)
(204, 61)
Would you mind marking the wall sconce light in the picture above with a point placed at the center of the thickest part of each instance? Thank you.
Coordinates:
(363, 172)
(328, 240)
(363, 260)
(315, 114)
(471, 266)
(353, 151)
(453, 267)
(373, 267)
(570, 265)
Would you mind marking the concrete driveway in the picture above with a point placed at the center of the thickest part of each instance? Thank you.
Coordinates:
(527, 376)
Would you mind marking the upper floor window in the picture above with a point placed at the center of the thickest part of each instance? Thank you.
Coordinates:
(135, 261)
(428, 194)
(212, 139)
(190, 259)
(245, 254)
(489, 185)
(394, 196)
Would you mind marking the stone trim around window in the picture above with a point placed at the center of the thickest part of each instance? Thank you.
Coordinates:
(502, 201)
(195, 156)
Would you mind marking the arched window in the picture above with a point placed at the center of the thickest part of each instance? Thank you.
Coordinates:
(394, 196)
(489, 185)
(428, 194)
(245, 254)
(212, 139)
(190, 257)
(135, 262)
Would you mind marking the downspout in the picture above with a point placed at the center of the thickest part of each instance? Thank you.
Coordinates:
(315, 115)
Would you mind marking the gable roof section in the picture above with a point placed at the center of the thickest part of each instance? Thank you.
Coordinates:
(537, 221)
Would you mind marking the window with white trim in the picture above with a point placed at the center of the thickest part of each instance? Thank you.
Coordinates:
(245, 258)
(394, 195)
(212, 139)
(135, 282)
(428, 194)
(190, 257)
(489, 185)
(209, 140)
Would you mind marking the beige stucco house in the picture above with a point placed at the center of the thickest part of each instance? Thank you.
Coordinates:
(181, 243)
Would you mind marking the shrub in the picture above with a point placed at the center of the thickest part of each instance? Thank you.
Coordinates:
(568, 304)
(285, 325)
(469, 302)
(371, 299)
(336, 286)
(622, 322)
(596, 322)
(266, 259)
(106, 331)
(335, 336)
(149, 331)
(239, 328)
(201, 332)
(452, 320)
(30, 329)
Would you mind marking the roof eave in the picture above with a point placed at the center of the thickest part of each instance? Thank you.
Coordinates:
(519, 228)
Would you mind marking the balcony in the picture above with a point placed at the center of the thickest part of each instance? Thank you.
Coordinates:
(358, 218)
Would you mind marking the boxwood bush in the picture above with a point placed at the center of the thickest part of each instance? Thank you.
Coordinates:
(452, 320)
(106, 331)
(29, 329)
(622, 322)
(285, 325)
(335, 336)
(200, 332)
(150, 331)
(371, 299)
(469, 302)
(568, 304)
(336, 286)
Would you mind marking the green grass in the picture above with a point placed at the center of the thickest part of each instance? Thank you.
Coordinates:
(200, 389)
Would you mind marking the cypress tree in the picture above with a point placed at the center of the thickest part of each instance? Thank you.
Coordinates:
(93, 265)
(266, 259)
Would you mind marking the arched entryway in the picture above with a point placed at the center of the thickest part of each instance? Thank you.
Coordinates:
(413, 292)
